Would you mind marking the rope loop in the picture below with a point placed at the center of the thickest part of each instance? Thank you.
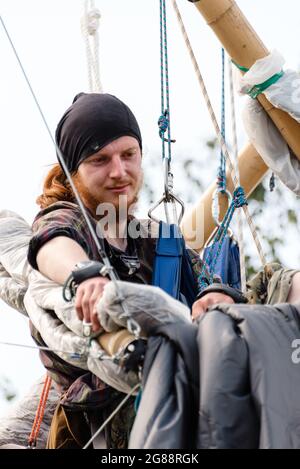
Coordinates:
(221, 180)
(93, 18)
(163, 124)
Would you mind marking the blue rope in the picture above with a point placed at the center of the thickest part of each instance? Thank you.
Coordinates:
(164, 119)
(239, 200)
(221, 180)
(210, 263)
(163, 124)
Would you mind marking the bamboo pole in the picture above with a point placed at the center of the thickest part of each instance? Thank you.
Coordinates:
(245, 47)
(113, 342)
(198, 224)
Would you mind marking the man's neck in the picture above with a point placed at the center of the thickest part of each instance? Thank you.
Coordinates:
(117, 235)
(115, 232)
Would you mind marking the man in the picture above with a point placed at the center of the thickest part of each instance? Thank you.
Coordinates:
(101, 174)
(101, 142)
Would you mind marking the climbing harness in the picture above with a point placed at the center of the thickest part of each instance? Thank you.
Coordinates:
(172, 270)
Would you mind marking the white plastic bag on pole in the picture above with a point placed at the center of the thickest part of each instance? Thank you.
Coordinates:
(262, 133)
(285, 94)
(267, 140)
(261, 71)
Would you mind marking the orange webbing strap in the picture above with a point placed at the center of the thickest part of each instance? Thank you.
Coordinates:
(32, 440)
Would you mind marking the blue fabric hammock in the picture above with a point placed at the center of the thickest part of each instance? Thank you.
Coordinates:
(172, 266)
(228, 263)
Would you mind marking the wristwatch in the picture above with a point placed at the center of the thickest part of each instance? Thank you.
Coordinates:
(234, 293)
(84, 270)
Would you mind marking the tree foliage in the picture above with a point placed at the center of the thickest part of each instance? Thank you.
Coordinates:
(7, 390)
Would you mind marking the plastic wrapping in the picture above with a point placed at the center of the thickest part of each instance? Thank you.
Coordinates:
(262, 133)
(16, 425)
(12, 292)
(14, 266)
(285, 94)
(146, 304)
(261, 71)
(267, 140)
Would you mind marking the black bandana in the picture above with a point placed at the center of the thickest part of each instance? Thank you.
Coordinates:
(93, 121)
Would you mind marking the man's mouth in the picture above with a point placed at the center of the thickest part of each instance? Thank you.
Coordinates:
(119, 189)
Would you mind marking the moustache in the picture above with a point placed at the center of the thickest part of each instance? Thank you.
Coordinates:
(119, 184)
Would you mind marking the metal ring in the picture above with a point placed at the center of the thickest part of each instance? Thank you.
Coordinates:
(165, 201)
(86, 328)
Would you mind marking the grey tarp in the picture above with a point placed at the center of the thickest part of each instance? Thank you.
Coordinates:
(249, 385)
(167, 415)
(246, 364)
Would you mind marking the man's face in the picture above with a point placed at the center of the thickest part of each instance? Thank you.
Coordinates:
(113, 171)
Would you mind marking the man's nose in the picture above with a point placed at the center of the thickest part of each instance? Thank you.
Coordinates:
(117, 170)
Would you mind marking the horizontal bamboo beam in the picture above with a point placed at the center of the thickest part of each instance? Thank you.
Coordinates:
(198, 224)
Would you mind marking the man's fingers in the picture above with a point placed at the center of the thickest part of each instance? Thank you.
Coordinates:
(95, 322)
(87, 295)
(93, 312)
(78, 307)
(197, 310)
(85, 305)
(198, 313)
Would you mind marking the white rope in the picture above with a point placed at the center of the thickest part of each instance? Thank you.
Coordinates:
(218, 131)
(90, 26)
(39, 347)
(236, 161)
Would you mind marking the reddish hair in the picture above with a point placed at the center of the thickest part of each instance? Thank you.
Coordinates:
(56, 188)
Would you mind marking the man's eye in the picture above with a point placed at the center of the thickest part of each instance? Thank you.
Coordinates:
(98, 161)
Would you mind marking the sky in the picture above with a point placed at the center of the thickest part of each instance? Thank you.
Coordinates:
(47, 36)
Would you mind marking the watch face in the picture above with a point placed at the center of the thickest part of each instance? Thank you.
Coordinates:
(82, 264)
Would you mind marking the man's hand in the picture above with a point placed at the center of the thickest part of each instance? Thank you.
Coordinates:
(201, 306)
(88, 294)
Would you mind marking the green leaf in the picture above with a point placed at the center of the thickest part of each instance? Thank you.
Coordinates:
(292, 216)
